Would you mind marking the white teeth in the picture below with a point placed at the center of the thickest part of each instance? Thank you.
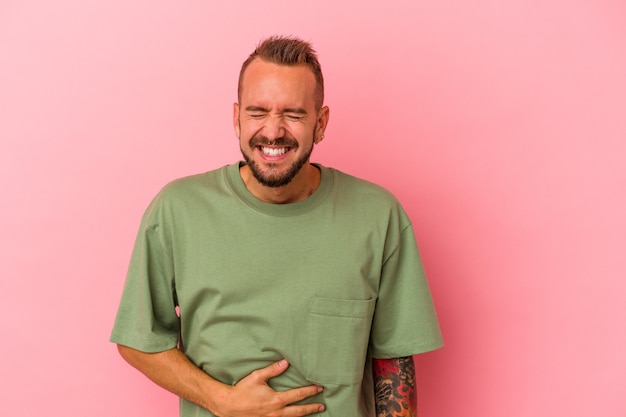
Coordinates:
(273, 151)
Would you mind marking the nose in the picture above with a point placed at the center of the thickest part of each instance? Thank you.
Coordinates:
(274, 127)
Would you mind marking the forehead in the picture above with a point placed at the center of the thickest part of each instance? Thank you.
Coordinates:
(270, 82)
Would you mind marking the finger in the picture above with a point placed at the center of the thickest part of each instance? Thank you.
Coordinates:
(303, 410)
(298, 394)
(272, 370)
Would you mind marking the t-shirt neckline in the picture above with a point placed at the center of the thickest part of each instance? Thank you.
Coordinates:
(290, 209)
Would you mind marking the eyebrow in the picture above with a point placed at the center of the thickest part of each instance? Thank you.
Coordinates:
(296, 110)
(256, 108)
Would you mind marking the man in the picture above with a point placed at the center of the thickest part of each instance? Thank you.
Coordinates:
(274, 286)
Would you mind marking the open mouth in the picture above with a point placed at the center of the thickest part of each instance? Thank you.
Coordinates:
(273, 151)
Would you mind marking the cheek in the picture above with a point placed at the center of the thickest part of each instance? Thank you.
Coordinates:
(299, 131)
(243, 132)
(249, 128)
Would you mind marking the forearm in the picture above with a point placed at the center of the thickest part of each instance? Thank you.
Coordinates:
(173, 371)
(394, 385)
(250, 397)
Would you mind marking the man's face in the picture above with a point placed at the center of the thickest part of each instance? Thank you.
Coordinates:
(276, 120)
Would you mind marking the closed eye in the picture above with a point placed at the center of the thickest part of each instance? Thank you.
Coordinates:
(256, 112)
(294, 114)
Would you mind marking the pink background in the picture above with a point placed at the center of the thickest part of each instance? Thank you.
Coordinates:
(500, 125)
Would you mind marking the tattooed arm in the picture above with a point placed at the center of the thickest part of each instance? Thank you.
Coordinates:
(394, 386)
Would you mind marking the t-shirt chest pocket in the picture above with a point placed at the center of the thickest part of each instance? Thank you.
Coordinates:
(339, 331)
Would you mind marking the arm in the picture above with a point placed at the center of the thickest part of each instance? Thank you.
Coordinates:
(251, 396)
(394, 387)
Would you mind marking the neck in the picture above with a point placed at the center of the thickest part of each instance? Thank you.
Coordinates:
(300, 188)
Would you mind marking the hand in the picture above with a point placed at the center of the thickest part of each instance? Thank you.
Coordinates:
(253, 397)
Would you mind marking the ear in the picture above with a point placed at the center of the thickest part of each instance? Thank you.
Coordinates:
(236, 120)
(322, 121)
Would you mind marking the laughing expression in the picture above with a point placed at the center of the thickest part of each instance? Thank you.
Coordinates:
(276, 121)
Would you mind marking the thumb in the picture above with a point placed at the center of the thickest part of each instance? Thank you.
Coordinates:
(272, 370)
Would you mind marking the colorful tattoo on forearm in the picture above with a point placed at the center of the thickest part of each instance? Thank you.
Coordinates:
(394, 386)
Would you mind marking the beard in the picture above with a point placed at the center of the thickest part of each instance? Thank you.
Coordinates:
(272, 177)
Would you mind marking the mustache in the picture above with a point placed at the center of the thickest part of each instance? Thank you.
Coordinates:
(281, 141)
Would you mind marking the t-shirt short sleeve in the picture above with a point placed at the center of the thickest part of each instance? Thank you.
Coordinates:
(405, 321)
(146, 319)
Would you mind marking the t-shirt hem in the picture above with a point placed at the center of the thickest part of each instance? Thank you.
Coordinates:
(407, 350)
(148, 346)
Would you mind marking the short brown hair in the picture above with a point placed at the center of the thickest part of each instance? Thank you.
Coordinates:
(287, 51)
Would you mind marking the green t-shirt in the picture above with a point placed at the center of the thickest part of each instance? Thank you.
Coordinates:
(327, 283)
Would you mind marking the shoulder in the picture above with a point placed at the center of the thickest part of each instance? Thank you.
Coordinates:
(188, 192)
(357, 188)
(367, 199)
(203, 181)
